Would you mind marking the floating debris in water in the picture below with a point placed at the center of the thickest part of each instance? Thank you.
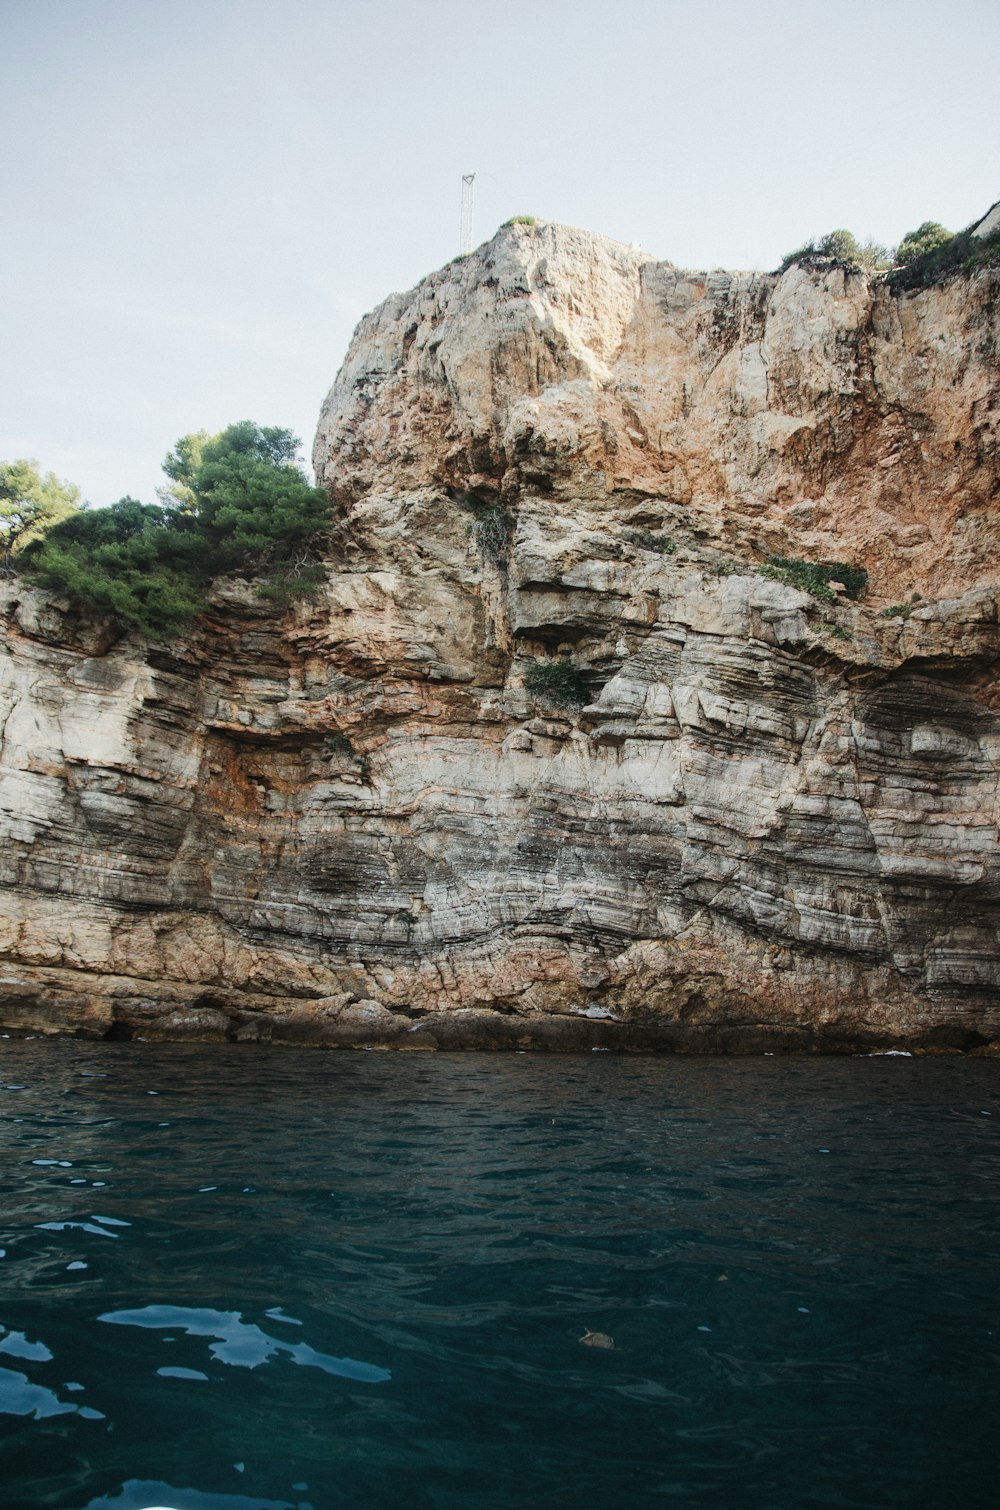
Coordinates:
(598, 1339)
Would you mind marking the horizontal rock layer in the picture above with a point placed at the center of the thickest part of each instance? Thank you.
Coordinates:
(772, 822)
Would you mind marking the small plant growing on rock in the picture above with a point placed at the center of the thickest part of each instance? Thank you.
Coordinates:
(815, 576)
(492, 526)
(648, 541)
(838, 631)
(338, 743)
(558, 681)
(492, 531)
(522, 220)
(807, 249)
(897, 611)
(285, 586)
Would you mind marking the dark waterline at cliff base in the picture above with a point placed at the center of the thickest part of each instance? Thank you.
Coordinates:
(233, 1280)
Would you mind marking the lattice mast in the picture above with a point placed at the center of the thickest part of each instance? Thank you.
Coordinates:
(468, 210)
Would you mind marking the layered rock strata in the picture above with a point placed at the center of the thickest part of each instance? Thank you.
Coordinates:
(768, 822)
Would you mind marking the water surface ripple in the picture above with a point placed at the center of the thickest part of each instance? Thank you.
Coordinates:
(235, 1279)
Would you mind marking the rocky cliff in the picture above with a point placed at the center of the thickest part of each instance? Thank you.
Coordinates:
(765, 821)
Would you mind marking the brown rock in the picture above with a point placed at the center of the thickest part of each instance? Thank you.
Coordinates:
(768, 824)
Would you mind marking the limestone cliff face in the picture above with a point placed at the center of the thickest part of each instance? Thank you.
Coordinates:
(772, 822)
(806, 415)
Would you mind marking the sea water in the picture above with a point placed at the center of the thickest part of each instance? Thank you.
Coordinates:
(235, 1278)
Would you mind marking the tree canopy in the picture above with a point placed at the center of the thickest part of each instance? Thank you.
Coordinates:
(180, 465)
(926, 238)
(924, 256)
(30, 502)
(840, 243)
(240, 503)
(131, 560)
(250, 497)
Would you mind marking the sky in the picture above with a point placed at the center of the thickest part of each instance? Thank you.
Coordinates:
(203, 197)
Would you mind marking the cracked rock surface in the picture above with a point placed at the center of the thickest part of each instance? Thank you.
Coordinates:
(770, 822)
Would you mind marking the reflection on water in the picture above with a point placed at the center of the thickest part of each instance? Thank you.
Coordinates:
(358, 1280)
(20, 1397)
(241, 1343)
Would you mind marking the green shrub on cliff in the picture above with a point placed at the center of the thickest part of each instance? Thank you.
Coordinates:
(923, 257)
(293, 580)
(815, 576)
(239, 503)
(558, 681)
(935, 260)
(138, 563)
(252, 502)
(131, 560)
(843, 246)
(926, 238)
(492, 531)
(650, 540)
(492, 527)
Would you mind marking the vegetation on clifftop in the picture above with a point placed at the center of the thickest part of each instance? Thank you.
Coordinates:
(842, 246)
(30, 503)
(938, 260)
(238, 502)
(923, 257)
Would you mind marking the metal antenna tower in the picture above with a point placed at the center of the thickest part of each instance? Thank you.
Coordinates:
(468, 210)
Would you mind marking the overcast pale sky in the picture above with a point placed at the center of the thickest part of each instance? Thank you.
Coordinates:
(204, 196)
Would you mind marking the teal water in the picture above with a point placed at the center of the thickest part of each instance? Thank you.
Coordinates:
(241, 1278)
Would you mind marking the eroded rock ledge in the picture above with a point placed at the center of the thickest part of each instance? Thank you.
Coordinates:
(773, 824)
